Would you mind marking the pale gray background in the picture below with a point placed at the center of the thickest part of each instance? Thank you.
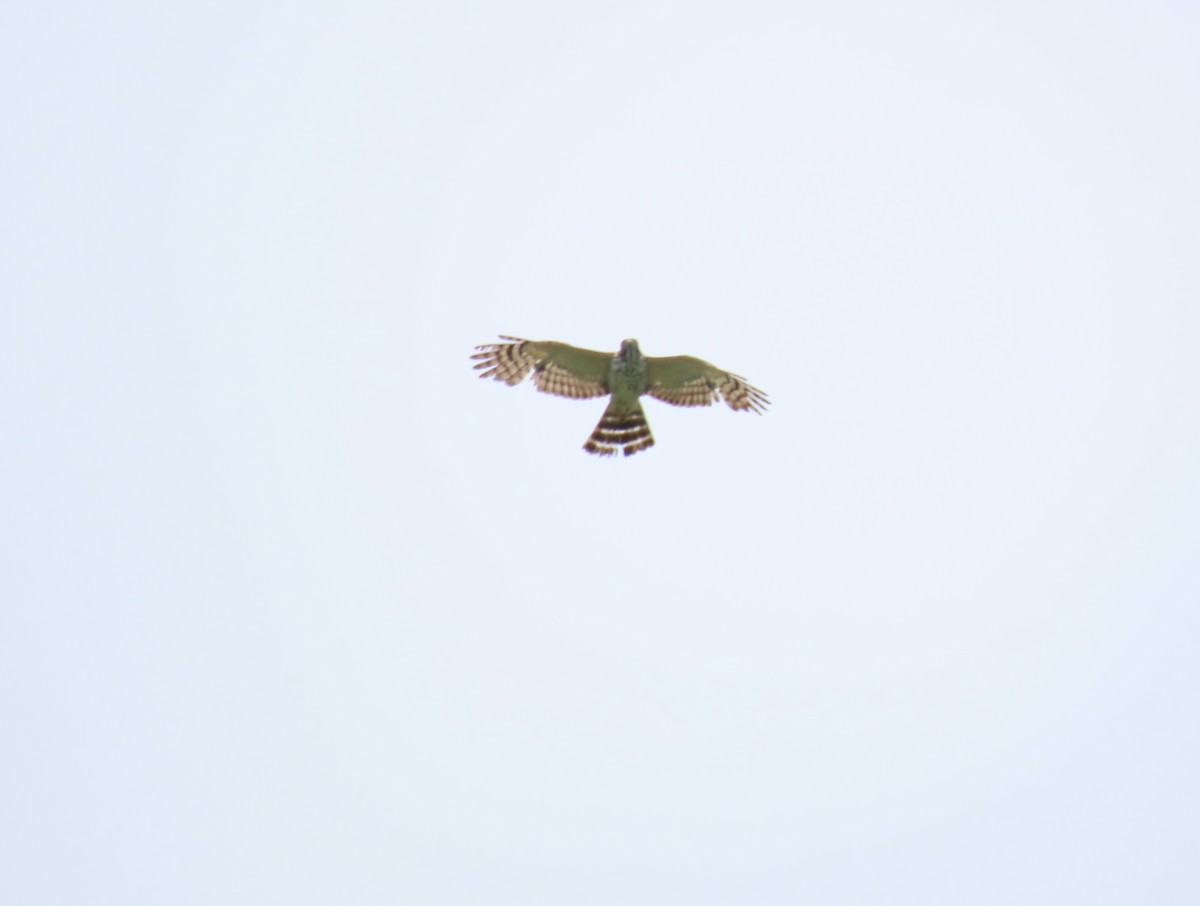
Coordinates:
(296, 610)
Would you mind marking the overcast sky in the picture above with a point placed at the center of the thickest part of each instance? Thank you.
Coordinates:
(294, 609)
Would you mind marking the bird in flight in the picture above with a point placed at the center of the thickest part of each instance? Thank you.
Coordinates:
(625, 376)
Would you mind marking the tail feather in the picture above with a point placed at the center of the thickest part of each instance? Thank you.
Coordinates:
(624, 430)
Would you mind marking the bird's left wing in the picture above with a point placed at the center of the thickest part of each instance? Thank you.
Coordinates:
(557, 368)
(683, 380)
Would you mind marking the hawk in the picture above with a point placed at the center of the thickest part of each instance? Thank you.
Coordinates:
(625, 376)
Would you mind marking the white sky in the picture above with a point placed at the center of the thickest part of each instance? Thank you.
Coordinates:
(296, 610)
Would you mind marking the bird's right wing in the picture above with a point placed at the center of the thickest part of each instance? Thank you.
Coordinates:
(557, 368)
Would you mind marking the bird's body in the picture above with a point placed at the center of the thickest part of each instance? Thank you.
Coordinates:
(625, 376)
(623, 424)
(627, 372)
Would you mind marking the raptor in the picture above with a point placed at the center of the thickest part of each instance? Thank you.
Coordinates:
(624, 376)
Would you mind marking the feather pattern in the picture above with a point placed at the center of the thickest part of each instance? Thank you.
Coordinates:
(683, 380)
(740, 396)
(624, 431)
(550, 377)
(557, 368)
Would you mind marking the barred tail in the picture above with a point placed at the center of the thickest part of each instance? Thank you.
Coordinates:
(623, 428)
